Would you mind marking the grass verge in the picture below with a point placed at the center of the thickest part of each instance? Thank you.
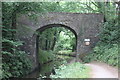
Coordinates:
(74, 70)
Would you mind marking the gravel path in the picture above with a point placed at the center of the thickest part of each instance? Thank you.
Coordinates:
(102, 70)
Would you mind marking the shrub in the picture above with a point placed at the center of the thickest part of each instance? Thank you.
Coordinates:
(105, 53)
(15, 65)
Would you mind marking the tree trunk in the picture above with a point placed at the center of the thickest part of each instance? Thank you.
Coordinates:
(13, 22)
(13, 26)
(119, 12)
(49, 44)
(54, 41)
(46, 44)
(73, 49)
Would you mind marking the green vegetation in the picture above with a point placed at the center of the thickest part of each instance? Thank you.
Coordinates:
(74, 70)
(45, 56)
(107, 48)
(53, 41)
(17, 63)
(104, 53)
(49, 67)
(56, 39)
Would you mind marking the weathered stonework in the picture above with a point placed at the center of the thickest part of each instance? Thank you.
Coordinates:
(83, 25)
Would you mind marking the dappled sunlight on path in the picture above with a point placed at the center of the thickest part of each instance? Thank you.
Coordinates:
(102, 70)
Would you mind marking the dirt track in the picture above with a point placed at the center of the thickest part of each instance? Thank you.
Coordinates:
(102, 70)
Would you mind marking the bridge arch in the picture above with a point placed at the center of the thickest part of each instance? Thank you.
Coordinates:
(43, 28)
(83, 25)
(57, 25)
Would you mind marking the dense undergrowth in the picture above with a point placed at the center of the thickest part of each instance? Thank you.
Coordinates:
(20, 63)
(15, 62)
(104, 53)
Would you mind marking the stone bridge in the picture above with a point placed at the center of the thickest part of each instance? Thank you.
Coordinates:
(83, 25)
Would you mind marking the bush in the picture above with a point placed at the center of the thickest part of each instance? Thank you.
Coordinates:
(15, 65)
(110, 33)
(104, 53)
